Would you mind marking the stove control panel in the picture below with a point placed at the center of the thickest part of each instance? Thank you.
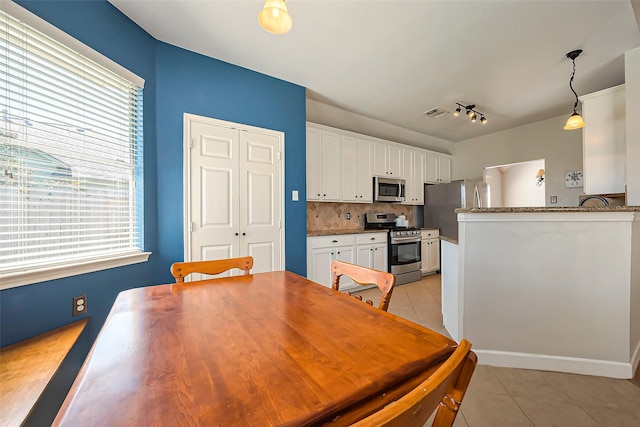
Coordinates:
(405, 233)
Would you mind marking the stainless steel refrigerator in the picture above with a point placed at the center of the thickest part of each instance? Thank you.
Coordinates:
(441, 201)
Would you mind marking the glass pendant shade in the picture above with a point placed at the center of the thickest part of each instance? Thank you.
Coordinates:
(574, 122)
(274, 17)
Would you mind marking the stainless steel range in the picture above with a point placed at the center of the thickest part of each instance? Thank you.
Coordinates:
(404, 246)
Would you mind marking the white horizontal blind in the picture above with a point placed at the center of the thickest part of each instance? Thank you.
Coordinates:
(70, 155)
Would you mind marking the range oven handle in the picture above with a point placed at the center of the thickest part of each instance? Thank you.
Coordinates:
(405, 239)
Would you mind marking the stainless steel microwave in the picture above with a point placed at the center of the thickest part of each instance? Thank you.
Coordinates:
(388, 189)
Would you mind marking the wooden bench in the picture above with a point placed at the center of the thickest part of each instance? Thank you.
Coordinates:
(27, 368)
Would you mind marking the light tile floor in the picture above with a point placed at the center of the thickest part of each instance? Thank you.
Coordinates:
(505, 397)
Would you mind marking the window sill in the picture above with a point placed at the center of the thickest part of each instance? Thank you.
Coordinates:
(12, 280)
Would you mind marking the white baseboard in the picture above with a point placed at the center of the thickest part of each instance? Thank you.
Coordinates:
(635, 359)
(572, 365)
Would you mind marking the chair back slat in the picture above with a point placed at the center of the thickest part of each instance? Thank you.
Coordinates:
(180, 270)
(364, 276)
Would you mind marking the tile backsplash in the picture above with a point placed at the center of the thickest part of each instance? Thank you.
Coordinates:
(324, 215)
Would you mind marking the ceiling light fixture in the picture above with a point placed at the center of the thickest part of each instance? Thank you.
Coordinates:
(274, 17)
(575, 121)
(471, 112)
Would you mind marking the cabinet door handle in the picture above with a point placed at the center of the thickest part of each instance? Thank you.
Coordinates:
(338, 252)
(334, 241)
(236, 234)
(373, 238)
(244, 234)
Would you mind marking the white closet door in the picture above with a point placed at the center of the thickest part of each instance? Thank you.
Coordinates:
(260, 200)
(215, 192)
(235, 194)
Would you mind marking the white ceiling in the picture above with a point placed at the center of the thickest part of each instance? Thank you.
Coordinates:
(393, 60)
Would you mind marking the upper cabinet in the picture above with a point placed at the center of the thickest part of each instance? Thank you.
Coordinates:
(438, 168)
(604, 141)
(324, 165)
(357, 177)
(387, 160)
(341, 166)
(414, 166)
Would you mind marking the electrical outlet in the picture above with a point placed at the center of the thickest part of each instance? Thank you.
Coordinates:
(348, 215)
(79, 305)
(553, 200)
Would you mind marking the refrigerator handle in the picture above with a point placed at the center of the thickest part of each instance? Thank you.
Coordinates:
(476, 193)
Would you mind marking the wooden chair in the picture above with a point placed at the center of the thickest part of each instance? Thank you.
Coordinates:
(364, 276)
(443, 390)
(180, 270)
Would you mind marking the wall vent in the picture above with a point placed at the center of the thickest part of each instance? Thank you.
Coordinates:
(436, 112)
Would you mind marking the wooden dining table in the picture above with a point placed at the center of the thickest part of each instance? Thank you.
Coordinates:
(266, 349)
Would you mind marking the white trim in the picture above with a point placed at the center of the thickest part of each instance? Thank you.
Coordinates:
(635, 359)
(543, 362)
(73, 269)
(186, 180)
(548, 217)
(55, 33)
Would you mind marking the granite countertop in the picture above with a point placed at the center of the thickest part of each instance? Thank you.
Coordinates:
(449, 239)
(335, 232)
(550, 209)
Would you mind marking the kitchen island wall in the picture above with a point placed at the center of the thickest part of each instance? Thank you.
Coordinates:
(547, 289)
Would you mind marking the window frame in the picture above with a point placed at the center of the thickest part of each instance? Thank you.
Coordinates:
(100, 262)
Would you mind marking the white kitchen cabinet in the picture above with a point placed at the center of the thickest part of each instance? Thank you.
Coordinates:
(413, 166)
(366, 249)
(430, 251)
(387, 160)
(372, 251)
(357, 173)
(437, 168)
(604, 141)
(324, 165)
(321, 250)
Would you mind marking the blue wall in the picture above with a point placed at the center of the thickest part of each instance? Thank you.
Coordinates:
(176, 81)
(192, 83)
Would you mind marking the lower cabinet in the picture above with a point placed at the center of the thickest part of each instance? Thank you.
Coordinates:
(430, 251)
(372, 251)
(367, 249)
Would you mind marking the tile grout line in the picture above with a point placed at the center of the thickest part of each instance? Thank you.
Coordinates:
(588, 413)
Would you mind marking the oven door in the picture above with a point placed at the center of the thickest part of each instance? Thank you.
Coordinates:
(404, 254)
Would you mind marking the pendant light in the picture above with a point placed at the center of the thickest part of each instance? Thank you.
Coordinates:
(274, 17)
(575, 121)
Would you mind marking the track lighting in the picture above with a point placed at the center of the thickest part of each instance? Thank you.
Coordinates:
(575, 121)
(471, 112)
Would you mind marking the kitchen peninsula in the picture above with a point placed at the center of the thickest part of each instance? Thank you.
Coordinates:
(547, 288)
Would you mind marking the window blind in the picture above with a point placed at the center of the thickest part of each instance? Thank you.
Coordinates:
(70, 155)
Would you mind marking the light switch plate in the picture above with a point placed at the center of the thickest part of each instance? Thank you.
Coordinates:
(294, 195)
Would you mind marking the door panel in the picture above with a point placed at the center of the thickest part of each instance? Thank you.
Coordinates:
(214, 190)
(260, 200)
(216, 185)
(263, 256)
